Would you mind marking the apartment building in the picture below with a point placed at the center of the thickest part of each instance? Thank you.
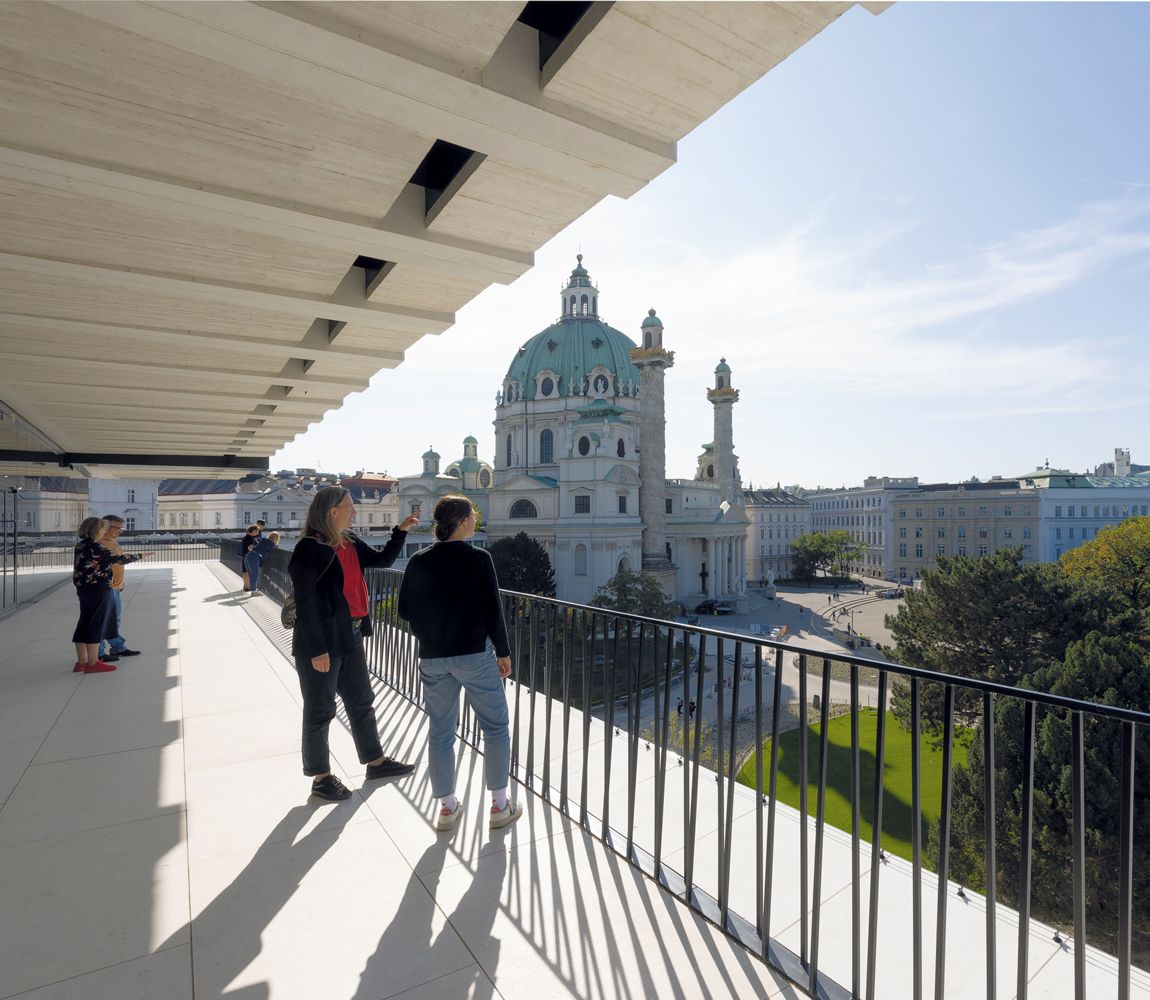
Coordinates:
(777, 519)
(864, 511)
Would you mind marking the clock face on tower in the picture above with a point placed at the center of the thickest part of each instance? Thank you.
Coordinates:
(601, 384)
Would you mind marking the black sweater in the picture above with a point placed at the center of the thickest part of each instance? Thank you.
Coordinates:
(323, 620)
(451, 597)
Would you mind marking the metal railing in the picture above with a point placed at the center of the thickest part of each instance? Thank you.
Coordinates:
(618, 671)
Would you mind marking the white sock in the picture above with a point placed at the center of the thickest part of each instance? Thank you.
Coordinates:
(499, 797)
(450, 802)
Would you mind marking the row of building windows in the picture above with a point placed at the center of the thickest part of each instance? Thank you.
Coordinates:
(1104, 510)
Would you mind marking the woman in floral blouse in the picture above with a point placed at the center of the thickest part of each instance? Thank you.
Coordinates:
(92, 577)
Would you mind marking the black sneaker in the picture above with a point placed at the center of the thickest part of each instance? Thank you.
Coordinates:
(388, 768)
(110, 657)
(129, 652)
(330, 788)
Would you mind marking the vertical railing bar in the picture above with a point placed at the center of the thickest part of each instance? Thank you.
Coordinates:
(777, 698)
(609, 747)
(685, 755)
(549, 635)
(804, 860)
(990, 862)
(820, 824)
(693, 812)
(728, 838)
(587, 666)
(759, 844)
(876, 836)
(532, 655)
(1126, 862)
(916, 837)
(660, 731)
(856, 833)
(1078, 770)
(568, 642)
(720, 729)
(517, 632)
(1026, 835)
(944, 844)
(633, 716)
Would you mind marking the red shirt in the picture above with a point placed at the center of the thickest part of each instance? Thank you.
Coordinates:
(354, 586)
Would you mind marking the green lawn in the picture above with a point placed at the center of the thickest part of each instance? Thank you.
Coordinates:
(896, 807)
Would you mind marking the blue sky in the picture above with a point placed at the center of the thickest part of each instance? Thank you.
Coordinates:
(922, 243)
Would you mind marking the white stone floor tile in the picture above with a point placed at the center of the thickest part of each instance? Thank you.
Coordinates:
(89, 900)
(167, 974)
(91, 793)
(466, 984)
(246, 734)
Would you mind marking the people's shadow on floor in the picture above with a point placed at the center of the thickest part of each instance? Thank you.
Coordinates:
(407, 942)
(231, 927)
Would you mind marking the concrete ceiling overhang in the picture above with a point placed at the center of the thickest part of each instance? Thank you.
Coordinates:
(216, 220)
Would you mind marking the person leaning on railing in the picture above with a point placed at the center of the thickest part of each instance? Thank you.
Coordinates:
(92, 576)
(332, 617)
(450, 595)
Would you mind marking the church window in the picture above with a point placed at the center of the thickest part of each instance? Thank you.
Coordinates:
(668, 503)
(580, 560)
(584, 445)
(547, 386)
(722, 383)
(583, 503)
(484, 478)
(523, 508)
(710, 472)
(546, 445)
(623, 504)
(508, 449)
(595, 304)
(621, 449)
(583, 305)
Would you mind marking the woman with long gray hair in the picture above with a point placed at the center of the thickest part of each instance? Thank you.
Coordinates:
(92, 577)
(450, 595)
(332, 617)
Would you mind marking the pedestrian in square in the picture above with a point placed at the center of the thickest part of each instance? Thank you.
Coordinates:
(450, 595)
(333, 616)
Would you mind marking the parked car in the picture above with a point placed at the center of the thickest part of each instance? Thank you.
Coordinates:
(705, 607)
(724, 608)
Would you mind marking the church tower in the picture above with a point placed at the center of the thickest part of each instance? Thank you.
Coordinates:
(653, 360)
(723, 397)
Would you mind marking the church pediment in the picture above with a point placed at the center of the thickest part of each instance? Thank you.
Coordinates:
(526, 484)
(622, 476)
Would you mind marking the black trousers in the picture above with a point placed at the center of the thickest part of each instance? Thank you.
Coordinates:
(348, 678)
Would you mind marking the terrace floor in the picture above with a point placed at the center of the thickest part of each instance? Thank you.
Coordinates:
(156, 840)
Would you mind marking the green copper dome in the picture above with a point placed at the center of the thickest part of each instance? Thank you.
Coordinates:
(430, 453)
(723, 366)
(574, 347)
(652, 319)
(470, 440)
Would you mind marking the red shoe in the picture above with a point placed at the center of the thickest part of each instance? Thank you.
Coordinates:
(79, 667)
(99, 667)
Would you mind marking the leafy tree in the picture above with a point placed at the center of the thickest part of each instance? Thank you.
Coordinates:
(522, 565)
(1117, 558)
(635, 593)
(1113, 670)
(991, 617)
(812, 552)
(822, 550)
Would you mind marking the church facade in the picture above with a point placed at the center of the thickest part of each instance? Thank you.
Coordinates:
(580, 461)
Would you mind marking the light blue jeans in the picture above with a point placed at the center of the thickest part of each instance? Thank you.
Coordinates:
(478, 675)
(119, 644)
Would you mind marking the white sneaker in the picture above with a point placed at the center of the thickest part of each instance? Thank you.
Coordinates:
(448, 818)
(506, 816)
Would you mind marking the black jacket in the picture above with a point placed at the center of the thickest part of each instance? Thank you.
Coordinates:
(323, 621)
